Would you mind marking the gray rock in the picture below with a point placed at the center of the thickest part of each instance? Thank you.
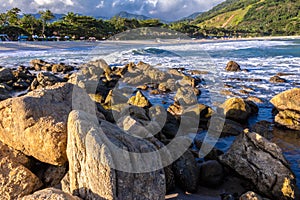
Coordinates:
(262, 163)
(91, 154)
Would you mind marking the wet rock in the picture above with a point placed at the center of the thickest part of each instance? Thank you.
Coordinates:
(237, 109)
(185, 96)
(142, 87)
(197, 72)
(243, 92)
(288, 106)
(226, 127)
(227, 93)
(211, 174)
(5, 75)
(251, 196)
(139, 100)
(287, 100)
(289, 119)
(277, 79)
(255, 99)
(45, 79)
(253, 106)
(50, 194)
(261, 162)
(171, 126)
(175, 72)
(91, 155)
(23, 74)
(168, 86)
(21, 84)
(187, 172)
(16, 180)
(136, 79)
(285, 74)
(155, 92)
(56, 68)
(199, 112)
(264, 128)
(189, 81)
(233, 67)
(35, 123)
(175, 109)
(4, 93)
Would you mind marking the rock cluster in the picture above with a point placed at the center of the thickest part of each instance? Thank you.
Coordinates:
(84, 134)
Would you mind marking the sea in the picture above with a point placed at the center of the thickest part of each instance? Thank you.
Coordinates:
(260, 58)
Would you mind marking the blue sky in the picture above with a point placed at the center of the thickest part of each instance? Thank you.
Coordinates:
(164, 9)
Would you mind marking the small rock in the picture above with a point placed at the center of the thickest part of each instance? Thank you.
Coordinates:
(277, 79)
(186, 96)
(233, 67)
(139, 100)
(250, 196)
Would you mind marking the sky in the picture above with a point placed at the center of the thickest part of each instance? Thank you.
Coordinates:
(163, 9)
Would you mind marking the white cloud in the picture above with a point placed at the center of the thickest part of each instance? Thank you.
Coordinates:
(165, 9)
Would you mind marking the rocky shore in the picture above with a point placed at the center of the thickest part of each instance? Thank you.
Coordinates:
(85, 133)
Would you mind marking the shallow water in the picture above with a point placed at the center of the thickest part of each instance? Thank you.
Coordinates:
(262, 58)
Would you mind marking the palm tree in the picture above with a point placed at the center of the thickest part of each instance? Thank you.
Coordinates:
(12, 16)
(45, 16)
(28, 22)
(70, 18)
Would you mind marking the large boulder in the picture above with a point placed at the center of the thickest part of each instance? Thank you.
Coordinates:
(93, 151)
(16, 180)
(262, 163)
(238, 109)
(36, 124)
(288, 100)
(50, 194)
(288, 105)
(14, 155)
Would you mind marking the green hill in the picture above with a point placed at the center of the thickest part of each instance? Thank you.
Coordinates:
(272, 17)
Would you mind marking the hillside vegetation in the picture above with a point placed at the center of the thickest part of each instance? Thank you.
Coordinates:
(269, 17)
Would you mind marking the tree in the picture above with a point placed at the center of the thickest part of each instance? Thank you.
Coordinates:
(3, 19)
(29, 22)
(46, 16)
(13, 17)
(70, 18)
